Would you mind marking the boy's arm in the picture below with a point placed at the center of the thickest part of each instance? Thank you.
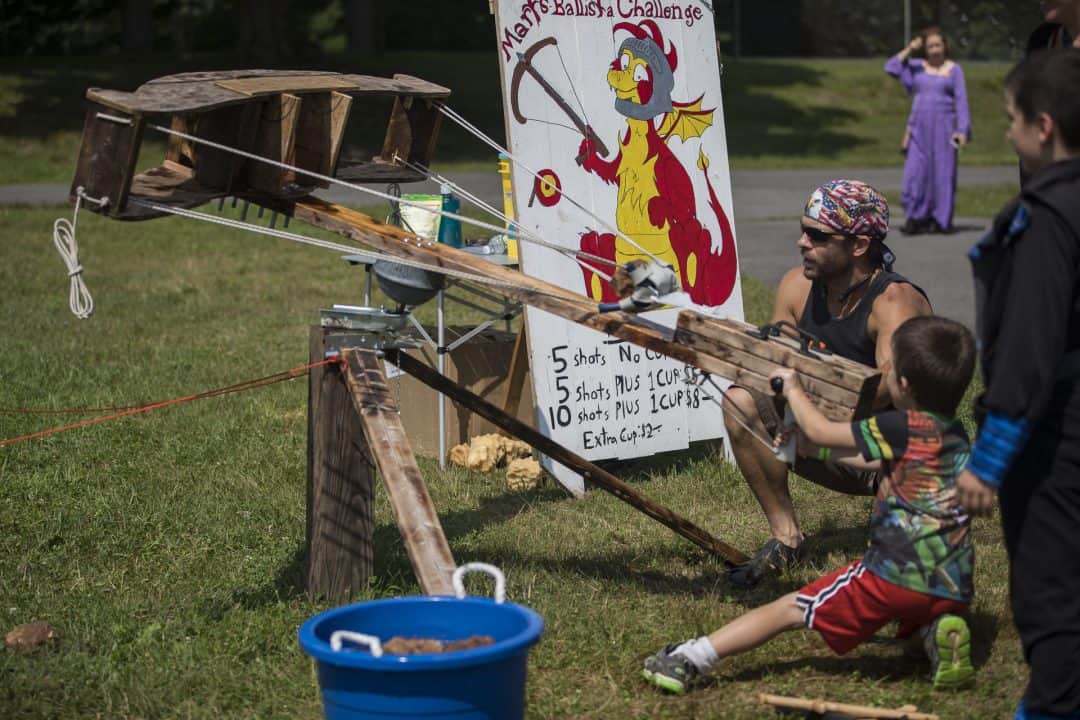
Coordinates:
(817, 428)
(851, 458)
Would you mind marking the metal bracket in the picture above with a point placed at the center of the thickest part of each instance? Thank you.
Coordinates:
(810, 345)
(365, 327)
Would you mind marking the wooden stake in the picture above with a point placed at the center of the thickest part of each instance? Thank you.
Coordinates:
(586, 469)
(340, 487)
(820, 707)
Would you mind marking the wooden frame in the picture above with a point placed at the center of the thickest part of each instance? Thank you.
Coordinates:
(299, 119)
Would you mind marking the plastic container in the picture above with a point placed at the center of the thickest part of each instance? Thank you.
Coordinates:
(485, 683)
(450, 228)
(420, 221)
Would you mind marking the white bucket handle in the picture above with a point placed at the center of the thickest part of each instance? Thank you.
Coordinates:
(371, 641)
(500, 579)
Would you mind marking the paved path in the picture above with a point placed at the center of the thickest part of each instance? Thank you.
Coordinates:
(763, 198)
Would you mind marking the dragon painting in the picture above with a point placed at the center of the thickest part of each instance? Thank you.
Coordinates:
(656, 204)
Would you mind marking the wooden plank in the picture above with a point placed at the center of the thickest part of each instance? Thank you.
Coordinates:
(528, 290)
(181, 150)
(837, 370)
(411, 131)
(593, 473)
(764, 366)
(107, 158)
(199, 92)
(834, 380)
(215, 169)
(275, 139)
(319, 132)
(388, 443)
(515, 378)
(274, 84)
(340, 487)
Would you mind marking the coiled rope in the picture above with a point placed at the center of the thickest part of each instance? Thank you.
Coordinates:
(79, 299)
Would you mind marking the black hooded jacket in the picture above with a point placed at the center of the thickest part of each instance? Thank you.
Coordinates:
(1027, 297)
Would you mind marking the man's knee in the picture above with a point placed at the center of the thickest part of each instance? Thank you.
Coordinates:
(740, 410)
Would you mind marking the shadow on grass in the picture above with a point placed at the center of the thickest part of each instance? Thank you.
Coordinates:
(760, 122)
(890, 667)
(287, 584)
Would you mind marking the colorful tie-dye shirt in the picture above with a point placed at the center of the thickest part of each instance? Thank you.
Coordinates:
(919, 534)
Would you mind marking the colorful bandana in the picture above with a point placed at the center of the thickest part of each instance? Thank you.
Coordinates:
(850, 207)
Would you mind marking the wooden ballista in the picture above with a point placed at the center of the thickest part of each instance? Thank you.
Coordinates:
(298, 120)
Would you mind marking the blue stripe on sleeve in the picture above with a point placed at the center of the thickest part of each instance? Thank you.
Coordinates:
(1000, 441)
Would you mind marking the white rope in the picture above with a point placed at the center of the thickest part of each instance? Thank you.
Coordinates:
(350, 249)
(479, 134)
(79, 299)
(327, 178)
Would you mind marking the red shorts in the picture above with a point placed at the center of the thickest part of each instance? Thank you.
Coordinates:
(851, 604)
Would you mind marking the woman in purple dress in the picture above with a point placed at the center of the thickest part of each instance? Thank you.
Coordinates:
(939, 125)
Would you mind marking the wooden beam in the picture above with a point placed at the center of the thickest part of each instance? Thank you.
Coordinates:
(836, 379)
(340, 487)
(388, 443)
(515, 378)
(688, 348)
(275, 139)
(593, 473)
(411, 131)
(319, 132)
(107, 157)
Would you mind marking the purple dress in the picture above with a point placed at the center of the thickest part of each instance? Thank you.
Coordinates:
(939, 108)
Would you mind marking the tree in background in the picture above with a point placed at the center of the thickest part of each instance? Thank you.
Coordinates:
(978, 29)
(275, 32)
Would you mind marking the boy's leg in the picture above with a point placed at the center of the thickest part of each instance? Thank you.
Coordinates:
(676, 666)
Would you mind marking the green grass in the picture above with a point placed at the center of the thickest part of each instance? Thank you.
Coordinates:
(778, 113)
(167, 548)
(984, 202)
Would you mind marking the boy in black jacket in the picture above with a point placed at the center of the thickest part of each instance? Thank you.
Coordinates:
(1027, 288)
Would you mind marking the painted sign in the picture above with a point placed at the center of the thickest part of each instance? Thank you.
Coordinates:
(615, 127)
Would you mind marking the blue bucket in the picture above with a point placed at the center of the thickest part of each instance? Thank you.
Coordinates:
(479, 683)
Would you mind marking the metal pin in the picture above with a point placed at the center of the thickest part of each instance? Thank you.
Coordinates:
(243, 212)
(261, 210)
(221, 203)
(234, 199)
(273, 219)
(285, 224)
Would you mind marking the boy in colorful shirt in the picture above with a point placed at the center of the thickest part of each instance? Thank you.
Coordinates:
(918, 567)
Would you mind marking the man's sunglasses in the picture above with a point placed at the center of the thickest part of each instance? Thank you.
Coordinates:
(820, 237)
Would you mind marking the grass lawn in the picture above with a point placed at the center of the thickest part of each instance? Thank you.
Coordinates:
(167, 548)
(778, 113)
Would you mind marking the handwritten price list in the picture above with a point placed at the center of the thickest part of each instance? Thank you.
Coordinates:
(620, 400)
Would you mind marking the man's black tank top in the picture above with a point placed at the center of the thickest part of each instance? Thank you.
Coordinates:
(847, 336)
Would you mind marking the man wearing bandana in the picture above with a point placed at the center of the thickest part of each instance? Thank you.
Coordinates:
(845, 294)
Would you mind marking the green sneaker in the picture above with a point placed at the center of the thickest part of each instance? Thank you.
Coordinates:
(668, 671)
(948, 645)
